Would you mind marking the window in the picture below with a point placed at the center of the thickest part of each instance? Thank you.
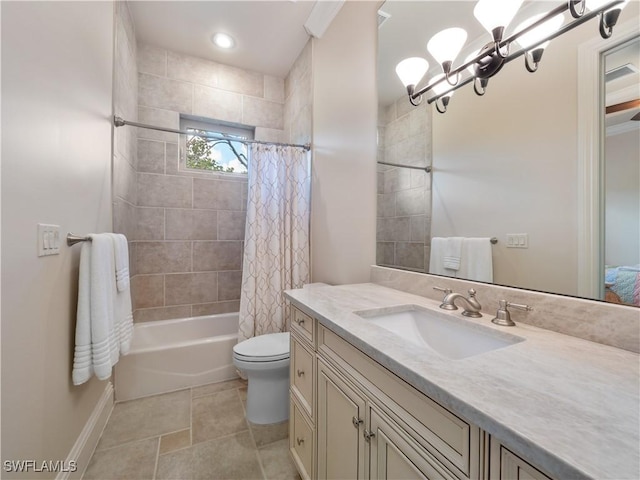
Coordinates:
(222, 155)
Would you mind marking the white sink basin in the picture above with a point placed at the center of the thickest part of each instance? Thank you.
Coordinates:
(447, 335)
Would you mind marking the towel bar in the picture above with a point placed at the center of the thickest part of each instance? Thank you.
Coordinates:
(72, 239)
(493, 240)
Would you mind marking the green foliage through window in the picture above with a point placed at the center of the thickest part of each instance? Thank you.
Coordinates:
(217, 155)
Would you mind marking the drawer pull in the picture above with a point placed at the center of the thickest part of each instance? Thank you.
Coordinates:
(368, 435)
(356, 422)
(300, 321)
(299, 441)
(300, 373)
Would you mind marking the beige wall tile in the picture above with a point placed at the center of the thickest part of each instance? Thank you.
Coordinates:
(274, 89)
(410, 255)
(262, 113)
(242, 81)
(124, 218)
(185, 224)
(190, 288)
(385, 253)
(217, 194)
(301, 126)
(150, 223)
(172, 158)
(161, 313)
(217, 104)
(150, 156)
(229, 285)
(270, 135)
(217, 256)
(161, 118)
(394, 229)
(124, 181)
(411, 202)
(152, 60)
(192, 69)
(419, 228)
(147, 291)
(163, 257)
(164, 93)
(215, 308)
(387, 205)
(164, 191)
(231, 225)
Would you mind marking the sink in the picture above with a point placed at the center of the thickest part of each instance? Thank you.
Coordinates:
(441, 332)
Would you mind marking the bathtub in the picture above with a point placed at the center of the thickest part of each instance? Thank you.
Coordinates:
(169, 355)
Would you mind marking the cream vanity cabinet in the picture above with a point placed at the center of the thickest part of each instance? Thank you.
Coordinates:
(357, 420)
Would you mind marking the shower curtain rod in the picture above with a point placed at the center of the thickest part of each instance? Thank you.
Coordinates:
(426, 169)
(120, 122)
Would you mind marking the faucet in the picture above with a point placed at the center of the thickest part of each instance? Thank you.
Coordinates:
(471, 305)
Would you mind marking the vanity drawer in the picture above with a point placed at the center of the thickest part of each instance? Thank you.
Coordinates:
(302, 375)
(301, 441)
(453, 441)
(302, 324)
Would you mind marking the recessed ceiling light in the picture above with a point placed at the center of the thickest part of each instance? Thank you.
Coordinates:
(223, 40)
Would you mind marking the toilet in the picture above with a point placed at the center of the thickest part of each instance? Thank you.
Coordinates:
(265, 362)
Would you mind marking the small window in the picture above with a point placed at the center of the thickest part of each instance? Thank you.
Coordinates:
(223, 155)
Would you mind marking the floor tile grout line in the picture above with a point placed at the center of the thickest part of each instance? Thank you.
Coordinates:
(155, 468)
(150, 437)
(253, 439)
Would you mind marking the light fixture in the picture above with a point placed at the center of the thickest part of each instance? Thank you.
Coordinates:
(532, 36)
(445, 47)
(535, 41)
(223, 40)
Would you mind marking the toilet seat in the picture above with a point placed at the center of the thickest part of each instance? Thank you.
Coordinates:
(271, 347)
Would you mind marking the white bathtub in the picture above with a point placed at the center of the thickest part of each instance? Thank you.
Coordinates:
(168, 355)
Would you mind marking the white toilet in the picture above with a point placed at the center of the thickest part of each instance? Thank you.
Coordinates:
(265, 361)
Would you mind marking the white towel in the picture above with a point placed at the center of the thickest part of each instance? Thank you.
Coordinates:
(436, 257)
(97, 346)
(121, 249)
(123, 310)
(476, 262)
(452, 253)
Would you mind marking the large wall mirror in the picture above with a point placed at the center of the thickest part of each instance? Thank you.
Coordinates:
(512, 161)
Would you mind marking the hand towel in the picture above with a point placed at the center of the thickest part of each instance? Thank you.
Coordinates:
(452, 253)
(123, 311)
(436, 257)
(82, 367)
(476, 262)
(121, 250)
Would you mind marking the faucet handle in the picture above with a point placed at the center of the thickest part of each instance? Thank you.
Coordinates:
(472, 293)
(446, 291)
(503, 316)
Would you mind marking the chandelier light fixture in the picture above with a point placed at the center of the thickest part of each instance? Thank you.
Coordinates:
(531, 37)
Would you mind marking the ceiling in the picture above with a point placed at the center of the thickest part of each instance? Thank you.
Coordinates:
(269, 35)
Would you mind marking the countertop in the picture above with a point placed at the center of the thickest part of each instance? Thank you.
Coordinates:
(569, 406)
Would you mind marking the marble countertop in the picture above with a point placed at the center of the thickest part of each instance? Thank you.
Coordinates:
(569, 406)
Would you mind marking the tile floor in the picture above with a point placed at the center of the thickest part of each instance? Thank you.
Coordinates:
(196, 433)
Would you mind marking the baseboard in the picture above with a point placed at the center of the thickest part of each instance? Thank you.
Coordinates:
(88, 438)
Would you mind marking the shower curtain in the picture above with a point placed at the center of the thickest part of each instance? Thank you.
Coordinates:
(276, 250)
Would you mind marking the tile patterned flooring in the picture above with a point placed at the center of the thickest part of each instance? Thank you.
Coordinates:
(197, 433)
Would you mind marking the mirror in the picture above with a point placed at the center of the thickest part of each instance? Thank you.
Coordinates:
(504, 163)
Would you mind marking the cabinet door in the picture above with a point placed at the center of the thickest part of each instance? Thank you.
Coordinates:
(340, 423)
(513, 467)
(395, 456)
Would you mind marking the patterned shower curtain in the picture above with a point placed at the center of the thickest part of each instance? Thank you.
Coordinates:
(276, 249)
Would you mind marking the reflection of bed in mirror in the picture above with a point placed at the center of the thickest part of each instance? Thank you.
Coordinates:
(622, 284)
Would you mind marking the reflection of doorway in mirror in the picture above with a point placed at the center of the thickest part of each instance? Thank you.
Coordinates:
(621, 168)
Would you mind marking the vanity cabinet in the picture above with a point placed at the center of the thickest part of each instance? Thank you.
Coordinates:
(506, 465)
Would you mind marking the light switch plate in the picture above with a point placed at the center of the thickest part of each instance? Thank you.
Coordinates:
(517, 240)
(48, 239)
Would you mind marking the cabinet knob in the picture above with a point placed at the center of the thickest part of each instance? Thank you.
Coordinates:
(300, 321)
(368, 435)
(299, 440)
(356, 422)
(300, 373)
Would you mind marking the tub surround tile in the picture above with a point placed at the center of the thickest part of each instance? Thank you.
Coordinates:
(231, 225)
(172, 159)
(152, 60)
(150, 223)
(217, 194)
(212, 388)
(217, 256)
(160, 92)
(229, 457)
(175, 441)
(262, 113)
(274, 88)
(239, 80)
(132, 461)
(162, 313)
(164, 191)
(217, 415)
(150, 156)
(124, 218)
(163, 257)
(229, 285)
(215, 308)
(410, 255)
(191, 288)
(216, 103)
(147, 417)
(192, 69)
(161, 118)
(125, 180)
(184, 224)
(147, 291)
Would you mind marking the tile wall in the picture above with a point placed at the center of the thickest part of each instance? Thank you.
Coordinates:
(404, 195)
(298, 90)
(189, 227)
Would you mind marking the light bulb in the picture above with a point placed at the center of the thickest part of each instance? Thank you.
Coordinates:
(411, 70)
(223, 40)
(445, 45)
(493, 14)
(596, 4)
(442, 87)
(534, 36)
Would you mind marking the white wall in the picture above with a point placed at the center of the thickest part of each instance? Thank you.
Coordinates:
(507, 163)
(343, 200)
(56, 147)
(622, 200)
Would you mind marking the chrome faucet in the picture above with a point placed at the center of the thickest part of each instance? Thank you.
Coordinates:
(471, 305)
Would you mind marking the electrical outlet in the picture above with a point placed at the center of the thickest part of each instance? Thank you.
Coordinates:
(517, 240)
(48, 240)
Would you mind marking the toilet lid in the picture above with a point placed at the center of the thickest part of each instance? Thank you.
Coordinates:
(263, 348)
